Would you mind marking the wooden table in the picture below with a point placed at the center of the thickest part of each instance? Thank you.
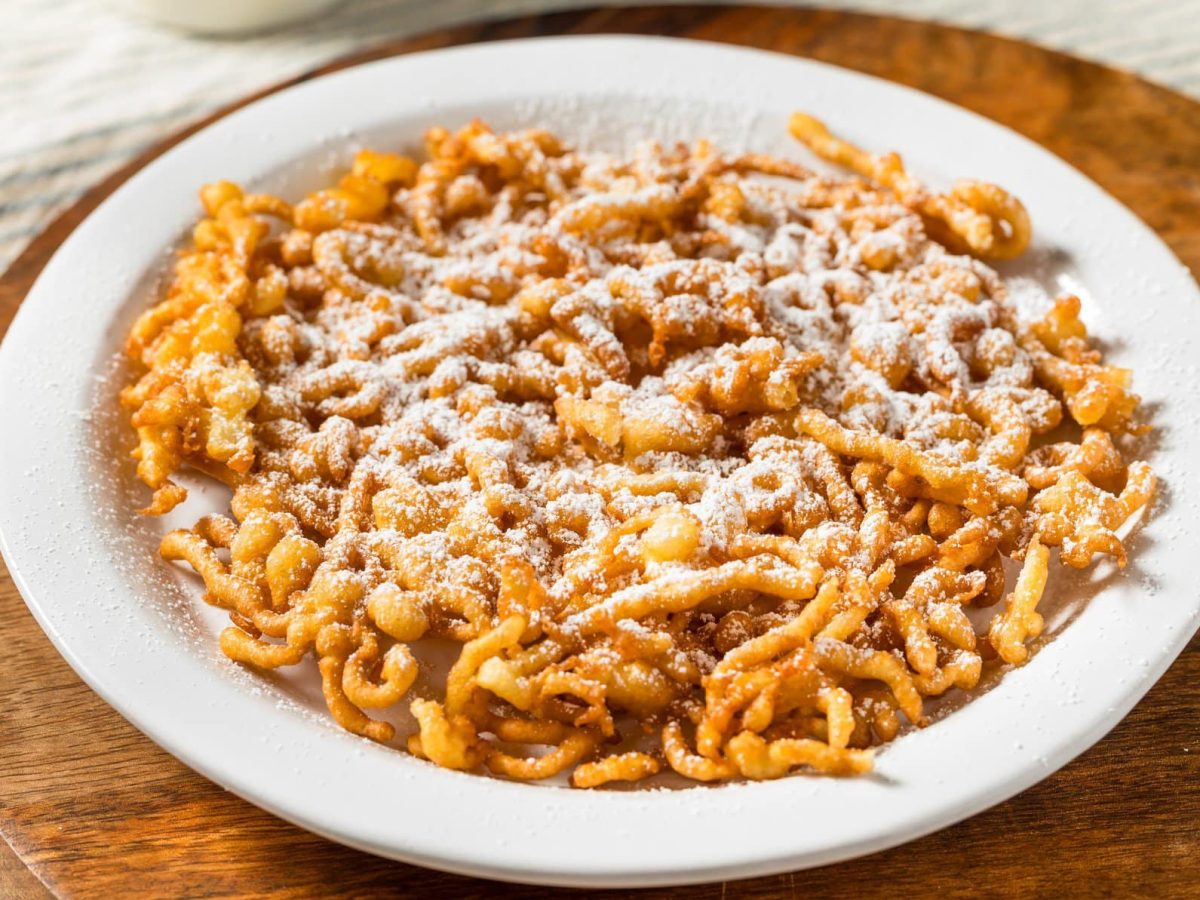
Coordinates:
(92, 808)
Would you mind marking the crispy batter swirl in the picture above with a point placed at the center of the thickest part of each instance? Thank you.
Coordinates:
(700, 458)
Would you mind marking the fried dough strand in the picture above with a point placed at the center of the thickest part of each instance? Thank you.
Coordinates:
(701, 460)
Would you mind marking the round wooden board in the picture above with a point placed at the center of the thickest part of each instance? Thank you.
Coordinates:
(93, 808)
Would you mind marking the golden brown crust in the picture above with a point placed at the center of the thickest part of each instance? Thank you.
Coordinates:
(684, 450)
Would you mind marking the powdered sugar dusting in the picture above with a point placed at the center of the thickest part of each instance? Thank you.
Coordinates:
(547, 355)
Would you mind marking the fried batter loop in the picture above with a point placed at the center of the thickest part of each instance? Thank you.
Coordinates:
(700, 458)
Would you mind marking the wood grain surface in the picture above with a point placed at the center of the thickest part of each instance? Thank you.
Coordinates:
(91, 808)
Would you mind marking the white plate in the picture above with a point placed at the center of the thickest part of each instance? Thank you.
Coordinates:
(138, 634)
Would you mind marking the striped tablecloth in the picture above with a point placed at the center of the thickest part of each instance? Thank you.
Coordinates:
(84, 87)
